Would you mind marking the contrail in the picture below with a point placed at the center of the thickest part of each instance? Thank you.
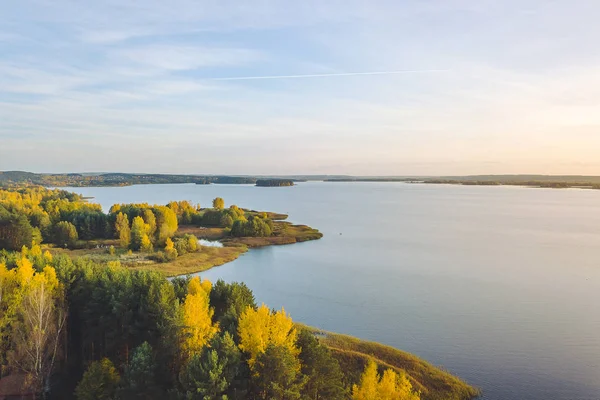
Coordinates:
(406, 71)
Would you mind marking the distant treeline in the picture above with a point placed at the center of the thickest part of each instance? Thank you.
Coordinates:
(274, 182)
(19, 178)
(591, 184)
(522, 179)
(9, 178)
(373, 180)
(544, 181)
(14, 178)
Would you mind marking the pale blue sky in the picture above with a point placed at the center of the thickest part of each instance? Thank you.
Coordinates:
(110, 85)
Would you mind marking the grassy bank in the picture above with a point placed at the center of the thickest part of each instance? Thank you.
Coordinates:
(353, 355)
(201, 260)
(190, 263)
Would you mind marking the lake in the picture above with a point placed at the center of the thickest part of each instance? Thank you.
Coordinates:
(499, 285)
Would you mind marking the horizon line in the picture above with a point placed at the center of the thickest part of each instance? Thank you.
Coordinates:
(299, 174)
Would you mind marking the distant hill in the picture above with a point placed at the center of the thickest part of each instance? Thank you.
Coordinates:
(17, 176)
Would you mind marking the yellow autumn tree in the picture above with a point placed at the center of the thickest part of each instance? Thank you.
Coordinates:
(218, 203)
(390, 386)
(170, 249)
(197, 317)
(36, 251)
(39, 324)
(139, 235)
(369, 382)
(192, 243)
(123, 229)
(260, 328)
(146, 244)
(24, 272)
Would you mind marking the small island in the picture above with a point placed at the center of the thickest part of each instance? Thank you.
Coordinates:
(274, 182)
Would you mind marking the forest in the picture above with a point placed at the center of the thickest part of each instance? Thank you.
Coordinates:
(76, 329)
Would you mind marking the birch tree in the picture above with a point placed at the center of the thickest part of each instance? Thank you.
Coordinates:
(39, 327)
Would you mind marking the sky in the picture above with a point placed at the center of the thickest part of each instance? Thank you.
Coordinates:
(399, 87)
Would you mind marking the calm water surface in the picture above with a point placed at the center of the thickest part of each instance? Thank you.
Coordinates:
(499, 285)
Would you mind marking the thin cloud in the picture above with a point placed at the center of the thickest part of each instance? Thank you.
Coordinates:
(182, 57)
(248, 78)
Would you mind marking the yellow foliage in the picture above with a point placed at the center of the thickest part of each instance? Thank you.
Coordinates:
(40, 309)
(36, 251)
(369, 382)
(113, 264)
(404, 387)
(388, 387)
(123, 229)
(47, 256)
(206, 286)
(192, 243)
(218, 203)
(146, 244)
(197, 317)
(169, 246)
(7, 282)
(260, 328)
(24, 271)
(50, 278)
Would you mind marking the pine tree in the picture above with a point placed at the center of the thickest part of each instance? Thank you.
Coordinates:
(139, 380)
(276, 374)
(99, 382)
(324, 376)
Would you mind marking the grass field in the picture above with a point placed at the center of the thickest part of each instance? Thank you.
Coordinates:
(202, 260)
(353, 355)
